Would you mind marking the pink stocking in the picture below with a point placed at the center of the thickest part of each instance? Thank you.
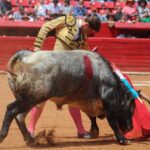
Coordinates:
(76, 116)
(35, 115)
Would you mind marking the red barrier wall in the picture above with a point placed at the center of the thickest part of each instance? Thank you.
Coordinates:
(128, 54)
(9, 45)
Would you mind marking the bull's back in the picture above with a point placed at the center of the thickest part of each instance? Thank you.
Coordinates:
(43, 71)
(71, 62)
(56, 74)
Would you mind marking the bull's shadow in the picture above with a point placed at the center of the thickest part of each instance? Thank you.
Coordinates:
(107, 139)
(101, 141)
(142, 140)
(73, 141)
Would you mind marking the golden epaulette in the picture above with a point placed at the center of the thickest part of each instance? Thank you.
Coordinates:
(70, 20)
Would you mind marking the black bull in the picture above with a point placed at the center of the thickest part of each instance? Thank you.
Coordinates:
(80, 78)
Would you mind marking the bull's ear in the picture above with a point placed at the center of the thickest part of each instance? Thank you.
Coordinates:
(138, 91)
(128, 103)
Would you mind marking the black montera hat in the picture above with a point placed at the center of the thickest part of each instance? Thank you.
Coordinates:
(55, 1)
(140, 1)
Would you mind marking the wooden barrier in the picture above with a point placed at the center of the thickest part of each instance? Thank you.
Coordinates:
(23, 28)
(132, 26)
(12, 44)
(128, 54)
(31, 28)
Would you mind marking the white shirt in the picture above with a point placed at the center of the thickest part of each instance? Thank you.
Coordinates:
(54, 10)
(40, 10)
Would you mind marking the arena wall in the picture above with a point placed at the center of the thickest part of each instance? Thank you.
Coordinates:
(128, 54)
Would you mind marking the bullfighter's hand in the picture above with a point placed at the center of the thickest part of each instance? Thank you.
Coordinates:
(95, 49)
(36, 49)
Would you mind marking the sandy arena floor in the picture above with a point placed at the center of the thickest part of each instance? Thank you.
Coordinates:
(64, 129)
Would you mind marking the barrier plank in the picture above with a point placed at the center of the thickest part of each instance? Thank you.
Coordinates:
(128, 54)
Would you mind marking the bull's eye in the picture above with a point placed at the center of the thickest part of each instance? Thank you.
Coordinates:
(132, 107)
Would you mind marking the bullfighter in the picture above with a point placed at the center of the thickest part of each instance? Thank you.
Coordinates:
(71, 33)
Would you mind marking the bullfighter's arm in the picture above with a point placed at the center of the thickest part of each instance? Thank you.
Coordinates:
(85, 46)
(45, 29)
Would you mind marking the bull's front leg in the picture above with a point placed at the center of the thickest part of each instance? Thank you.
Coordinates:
(114, 125)
(94, 130)
(107, 92)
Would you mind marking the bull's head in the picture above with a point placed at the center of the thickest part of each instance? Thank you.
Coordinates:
(125, 117)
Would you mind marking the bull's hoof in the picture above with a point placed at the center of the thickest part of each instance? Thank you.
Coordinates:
(2, 136)
(94, 133)
(30, 142)
(125, 142)
(1, 139)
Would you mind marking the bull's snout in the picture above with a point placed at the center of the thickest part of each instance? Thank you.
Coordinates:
(128, 128)
(129, 125)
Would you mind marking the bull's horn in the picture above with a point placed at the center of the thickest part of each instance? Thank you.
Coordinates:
(146, 98)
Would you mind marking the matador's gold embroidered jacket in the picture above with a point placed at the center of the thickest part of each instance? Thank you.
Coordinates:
(67, 33)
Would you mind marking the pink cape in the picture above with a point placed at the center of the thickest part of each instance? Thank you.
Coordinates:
(141, 121)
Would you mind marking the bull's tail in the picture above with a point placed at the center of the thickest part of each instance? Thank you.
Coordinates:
(16, 59)
(14, 68)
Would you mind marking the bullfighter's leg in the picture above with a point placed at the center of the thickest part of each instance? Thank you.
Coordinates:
(34, 117)
(13, 109)
(76, 116)
(94, 130)
(74, 112)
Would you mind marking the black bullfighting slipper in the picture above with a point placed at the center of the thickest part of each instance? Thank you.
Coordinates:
(86, 135)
